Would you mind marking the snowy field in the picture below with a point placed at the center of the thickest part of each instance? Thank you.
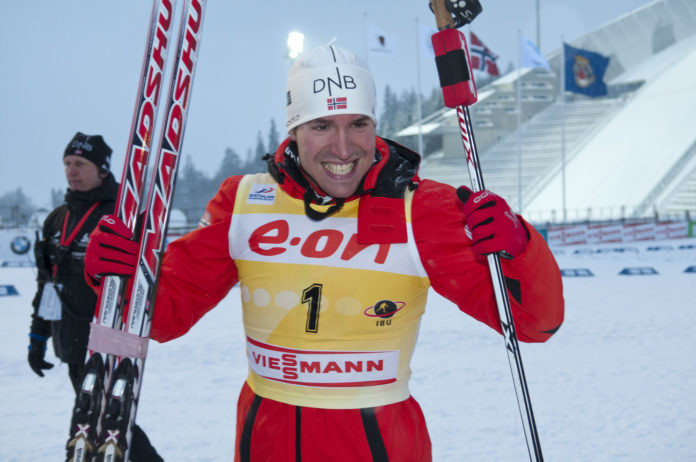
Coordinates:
(616, 383)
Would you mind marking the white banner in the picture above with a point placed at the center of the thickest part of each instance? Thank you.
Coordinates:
(616, 233)
(322, 368)
(17, 247)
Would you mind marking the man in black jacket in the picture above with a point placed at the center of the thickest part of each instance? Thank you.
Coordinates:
(64, 304)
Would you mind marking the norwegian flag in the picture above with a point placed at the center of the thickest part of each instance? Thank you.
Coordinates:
(337, 103)
(482, 58)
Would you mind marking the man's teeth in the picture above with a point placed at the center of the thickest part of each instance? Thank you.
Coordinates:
(339, 169)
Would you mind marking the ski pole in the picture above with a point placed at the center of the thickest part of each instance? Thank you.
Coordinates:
(459, 91)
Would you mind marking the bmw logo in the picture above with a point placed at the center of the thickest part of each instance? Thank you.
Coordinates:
(20, 245)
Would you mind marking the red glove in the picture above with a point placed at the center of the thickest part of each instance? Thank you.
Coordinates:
(110, 250)
(491, 224)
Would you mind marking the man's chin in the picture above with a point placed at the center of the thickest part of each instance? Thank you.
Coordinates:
(341, 193)
(76, 187)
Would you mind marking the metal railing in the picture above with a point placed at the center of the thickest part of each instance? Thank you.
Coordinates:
(604, 214)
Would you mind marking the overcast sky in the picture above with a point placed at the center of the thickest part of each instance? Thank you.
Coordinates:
(73, 65)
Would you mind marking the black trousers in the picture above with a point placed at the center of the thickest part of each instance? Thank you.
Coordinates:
(141, 449)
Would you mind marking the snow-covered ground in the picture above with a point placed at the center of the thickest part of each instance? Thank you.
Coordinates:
(616, 383)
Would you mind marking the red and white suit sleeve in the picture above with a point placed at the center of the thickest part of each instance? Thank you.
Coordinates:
(457, 273)
(197, 270)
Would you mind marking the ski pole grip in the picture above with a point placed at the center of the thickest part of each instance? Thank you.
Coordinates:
(453, 68)
(443, 18)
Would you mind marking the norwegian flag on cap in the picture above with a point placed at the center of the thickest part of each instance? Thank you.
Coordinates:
(337, 103)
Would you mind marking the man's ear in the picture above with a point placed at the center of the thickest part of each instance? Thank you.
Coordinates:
(293, 134)
(103, 175)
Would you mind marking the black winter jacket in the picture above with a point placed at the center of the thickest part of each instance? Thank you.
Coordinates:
(65, 266)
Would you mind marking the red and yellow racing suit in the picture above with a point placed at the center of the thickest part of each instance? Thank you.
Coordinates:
(331, 308)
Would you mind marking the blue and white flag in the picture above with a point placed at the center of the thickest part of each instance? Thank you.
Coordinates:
(584, 71)
(531, 56)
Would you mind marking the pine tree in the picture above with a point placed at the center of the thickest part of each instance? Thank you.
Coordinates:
(57, 197)
(433, 102)
(231, 164)
(193, 191)
(15, 208)
(408, 110)
(387, 120)
(273, 137)
(255, 163)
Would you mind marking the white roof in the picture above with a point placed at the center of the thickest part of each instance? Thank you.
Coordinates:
(434, 121)
(625, 159)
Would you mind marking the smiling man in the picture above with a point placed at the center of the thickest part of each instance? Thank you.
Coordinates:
(335, 249)
(336, 151)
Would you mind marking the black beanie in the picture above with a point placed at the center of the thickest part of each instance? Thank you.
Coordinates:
(91, 147)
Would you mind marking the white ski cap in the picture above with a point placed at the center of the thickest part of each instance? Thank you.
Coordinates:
(329, 80)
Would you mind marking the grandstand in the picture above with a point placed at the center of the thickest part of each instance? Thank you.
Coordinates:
(629, 154)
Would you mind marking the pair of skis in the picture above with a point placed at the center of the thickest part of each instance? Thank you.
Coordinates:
(106, 404)
(459, 91)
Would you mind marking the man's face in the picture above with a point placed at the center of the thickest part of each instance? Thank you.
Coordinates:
(336, 151)
(82, 175)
